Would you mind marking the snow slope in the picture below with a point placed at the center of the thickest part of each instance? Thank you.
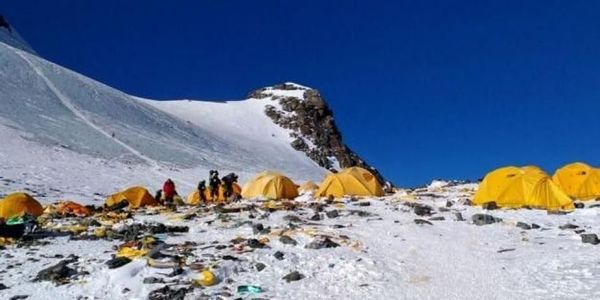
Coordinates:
(385, 255)
(55, 107)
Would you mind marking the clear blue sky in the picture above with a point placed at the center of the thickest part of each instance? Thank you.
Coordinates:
(420, 89)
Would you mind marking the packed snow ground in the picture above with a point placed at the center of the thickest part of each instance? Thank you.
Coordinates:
(384, 255)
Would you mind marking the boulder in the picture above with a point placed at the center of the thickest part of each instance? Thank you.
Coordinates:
(483, 219)
(590, 238)
(293, 276)
(320, 243)
(523, 226)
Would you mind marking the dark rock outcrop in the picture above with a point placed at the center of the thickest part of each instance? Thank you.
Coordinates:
(313, 127)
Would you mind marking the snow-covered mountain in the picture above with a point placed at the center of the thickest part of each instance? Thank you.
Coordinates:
(53, 120)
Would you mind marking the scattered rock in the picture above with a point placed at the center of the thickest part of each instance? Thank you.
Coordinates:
(294, 276)
(458, 216)
(579, 205)
(316, 217)
(279, 255)
(321, 243)
(578, 231)
(293, 218)
(490, 205)
(3, 287)
(260, 266)
(363, 203)
(117, 262)
(332, 214)
(167, 293)
(422, 210)
(153, 280)
(568, 226)
(59, 273)
(506, 250)
(254, 243)
(284, 239)
(257, 228)
(590, 238)
(483, 219)
(422, 222)
(524, 226)
(535, 226)
(449, 203)
(19, 297)
(230, 257)
(439, 218)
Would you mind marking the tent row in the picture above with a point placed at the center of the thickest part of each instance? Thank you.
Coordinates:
(530, 186)
(267, 185)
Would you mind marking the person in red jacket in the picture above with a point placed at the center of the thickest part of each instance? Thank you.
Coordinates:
(169, 191)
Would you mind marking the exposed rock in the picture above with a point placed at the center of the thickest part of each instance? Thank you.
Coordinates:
(117, 262)
(449, 203)
(316, 217)
(422, 222)
(19, 297)
(535, 226)
(3, 287)
(490, 205)
(506, 250)
(439, 218)
(590, 238)
(292, 218)
(311, 122)
(568, 226)
(320, 243)
(59, 273)
(422, 210)
(153, 280)
(260, 266)
(257, 228)
(458, 216)
(332, 214)
(293, 276)
(284, 239)
(483, 219)
(524, 226)
(254, 243)
(168, 293)
(279, 255)
(579, 231)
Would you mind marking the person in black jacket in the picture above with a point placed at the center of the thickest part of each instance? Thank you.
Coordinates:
(214, 183)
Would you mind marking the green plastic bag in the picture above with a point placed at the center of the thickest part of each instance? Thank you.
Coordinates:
(15, 220)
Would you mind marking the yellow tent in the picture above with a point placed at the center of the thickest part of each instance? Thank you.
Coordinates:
(579, 180)
(353, 181)
(515, 187)
(308, 187)
(194, 197)
(136, 196)
(18, 204)
(270, 185)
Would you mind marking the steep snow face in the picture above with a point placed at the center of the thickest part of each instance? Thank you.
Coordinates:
(10, 36)
(55, 107)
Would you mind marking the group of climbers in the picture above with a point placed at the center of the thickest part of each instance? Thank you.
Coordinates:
(226, 184)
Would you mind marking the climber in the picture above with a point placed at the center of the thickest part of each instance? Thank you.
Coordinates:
(169, 191)
(214, 183)
(201, 190)
(228, 182)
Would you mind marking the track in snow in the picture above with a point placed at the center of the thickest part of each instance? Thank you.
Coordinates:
(68, 103)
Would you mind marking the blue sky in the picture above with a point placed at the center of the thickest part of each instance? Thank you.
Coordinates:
(420, 89)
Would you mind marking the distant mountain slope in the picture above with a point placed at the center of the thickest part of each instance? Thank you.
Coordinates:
(61, 110)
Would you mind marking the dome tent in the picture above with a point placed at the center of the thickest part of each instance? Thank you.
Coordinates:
(579, 181)
(136, 196)
(270, 185)
(18, 204)
(515, 187)
(353, 181)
